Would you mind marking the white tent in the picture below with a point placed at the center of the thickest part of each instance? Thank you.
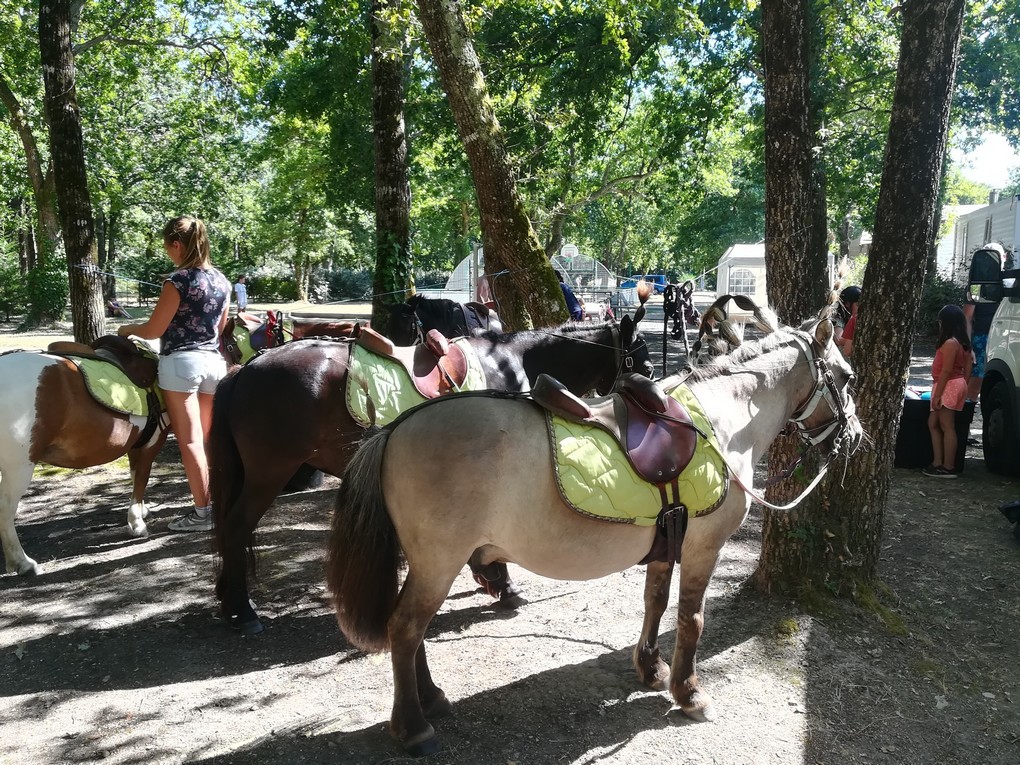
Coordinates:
(587, 276)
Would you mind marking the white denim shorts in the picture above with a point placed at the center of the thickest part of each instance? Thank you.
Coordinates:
(190, 371)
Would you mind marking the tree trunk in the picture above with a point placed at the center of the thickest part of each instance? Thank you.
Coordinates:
(48, 228)
(69, 169)
(393, 267)
(524, 285)
(301, 261)
(795, 252)
(839, 547)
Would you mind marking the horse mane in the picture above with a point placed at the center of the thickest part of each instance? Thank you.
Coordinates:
(731, 362)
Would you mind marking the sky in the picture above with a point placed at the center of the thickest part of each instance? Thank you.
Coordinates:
(990, 163)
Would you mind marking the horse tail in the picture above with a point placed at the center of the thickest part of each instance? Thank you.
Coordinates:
(364, 557)
(226, 473)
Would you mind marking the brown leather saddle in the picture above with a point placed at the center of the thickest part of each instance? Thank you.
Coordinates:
(262, 333)
(141, 367)
(436, 366)
(655, 432)
(323, 327)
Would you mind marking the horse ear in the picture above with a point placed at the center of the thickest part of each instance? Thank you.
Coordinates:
(823, 333)
(627, 326)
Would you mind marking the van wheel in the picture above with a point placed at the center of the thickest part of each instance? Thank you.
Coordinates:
(999, 440)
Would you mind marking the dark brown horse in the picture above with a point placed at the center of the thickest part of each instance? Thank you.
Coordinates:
(288, 407)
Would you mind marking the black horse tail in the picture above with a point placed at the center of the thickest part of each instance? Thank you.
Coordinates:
(226, 473)
(364, 557)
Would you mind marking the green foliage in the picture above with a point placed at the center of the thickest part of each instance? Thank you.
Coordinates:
(13, 294)
(272, 289)
(348, 283)
(936, 293)
(47, 289)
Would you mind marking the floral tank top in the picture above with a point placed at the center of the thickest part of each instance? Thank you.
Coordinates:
(205, 295)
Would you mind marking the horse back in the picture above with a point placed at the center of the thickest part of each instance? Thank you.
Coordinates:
(69, 428)
(289, 403)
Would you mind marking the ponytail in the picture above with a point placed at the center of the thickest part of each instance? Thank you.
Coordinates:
(190, 232)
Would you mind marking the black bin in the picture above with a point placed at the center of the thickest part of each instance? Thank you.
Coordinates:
(913, 442)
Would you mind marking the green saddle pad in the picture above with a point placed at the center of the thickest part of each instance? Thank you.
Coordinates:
(108, 385)
(389, 387)
(596, 479)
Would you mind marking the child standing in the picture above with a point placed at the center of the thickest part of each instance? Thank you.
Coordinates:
(950, 374)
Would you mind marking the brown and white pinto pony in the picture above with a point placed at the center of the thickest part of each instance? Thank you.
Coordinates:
(47, 415)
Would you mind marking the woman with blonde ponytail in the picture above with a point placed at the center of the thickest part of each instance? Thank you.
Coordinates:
(188, 320)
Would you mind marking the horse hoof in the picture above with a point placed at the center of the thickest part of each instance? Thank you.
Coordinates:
(28, 568)
(423, 744)
(250, 627)
(511, 601)
(699, 708)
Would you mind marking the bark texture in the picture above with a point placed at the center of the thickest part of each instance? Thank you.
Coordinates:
(525, 287)
(393, 265)
(71, 181)
(838, 546)
(795, 247)
(47, 226)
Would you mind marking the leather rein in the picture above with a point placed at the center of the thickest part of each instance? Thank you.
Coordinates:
(824, 390)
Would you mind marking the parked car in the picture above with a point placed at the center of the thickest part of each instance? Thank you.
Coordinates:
(988, 282)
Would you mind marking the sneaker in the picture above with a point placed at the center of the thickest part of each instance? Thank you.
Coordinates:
(944, 472)
(191, 522)
(932, 471)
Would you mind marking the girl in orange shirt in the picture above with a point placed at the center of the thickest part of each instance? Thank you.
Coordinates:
(950, 374)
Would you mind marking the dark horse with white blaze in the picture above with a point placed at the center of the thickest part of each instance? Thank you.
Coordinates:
(388, 513)
(287, 407)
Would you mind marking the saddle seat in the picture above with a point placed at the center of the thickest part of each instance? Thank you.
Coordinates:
(435, 366)
(140, 366)
(654, 430)
(323, 327)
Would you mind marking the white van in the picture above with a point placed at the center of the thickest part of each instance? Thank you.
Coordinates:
(1000, 389)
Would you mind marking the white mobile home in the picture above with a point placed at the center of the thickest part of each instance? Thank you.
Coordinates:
(742, 272)
(998, 221)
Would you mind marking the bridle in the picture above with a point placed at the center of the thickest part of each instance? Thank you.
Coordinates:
(824, 390)
(623, 358)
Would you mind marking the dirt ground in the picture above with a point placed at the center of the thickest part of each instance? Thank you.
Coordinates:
(115, 653)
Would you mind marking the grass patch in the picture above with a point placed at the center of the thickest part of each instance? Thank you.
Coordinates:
(871, 600)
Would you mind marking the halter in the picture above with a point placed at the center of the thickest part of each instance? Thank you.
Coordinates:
(824, 390)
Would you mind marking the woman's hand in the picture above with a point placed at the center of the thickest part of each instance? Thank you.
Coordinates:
(126, 329)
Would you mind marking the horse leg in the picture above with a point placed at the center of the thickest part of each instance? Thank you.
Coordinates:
(415, 695)
(14, 480)
(652, 670)
(695, 572)
(495, 580)
(235, 530)
(141, 460)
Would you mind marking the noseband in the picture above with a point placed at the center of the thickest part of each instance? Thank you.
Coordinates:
(824, 390)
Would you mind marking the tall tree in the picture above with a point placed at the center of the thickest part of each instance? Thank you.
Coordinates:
(393, 267)
(523, 284)
(837, 545)
(68, 153)
(795, 252)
